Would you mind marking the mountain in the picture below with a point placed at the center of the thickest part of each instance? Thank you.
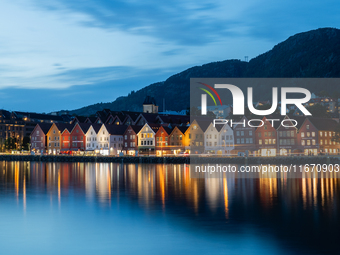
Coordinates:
(310, 54)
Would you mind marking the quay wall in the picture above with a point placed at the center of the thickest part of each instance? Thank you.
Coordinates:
(177, 160)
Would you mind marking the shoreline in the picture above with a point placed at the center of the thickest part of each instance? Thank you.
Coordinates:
(176, 160)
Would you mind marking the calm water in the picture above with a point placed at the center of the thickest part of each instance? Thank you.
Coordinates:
(88, 208)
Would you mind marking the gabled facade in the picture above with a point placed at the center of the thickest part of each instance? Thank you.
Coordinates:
(244, 137)
(38, 137)
(197, 136)
(116, 138)
(287, 137)
(266, 137)
(91, 137)
(176, 140)
(219, 139)
(162, 141)
(307, 138)
(54, 137)
(66, 138)
(78, 138)
(146, 139)
(103, 139)
(130, 140)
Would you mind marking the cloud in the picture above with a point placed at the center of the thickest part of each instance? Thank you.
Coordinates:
(178, 21)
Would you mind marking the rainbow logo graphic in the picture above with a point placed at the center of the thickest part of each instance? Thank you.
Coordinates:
(210, 94)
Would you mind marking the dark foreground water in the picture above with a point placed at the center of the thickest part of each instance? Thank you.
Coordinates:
(105, 208)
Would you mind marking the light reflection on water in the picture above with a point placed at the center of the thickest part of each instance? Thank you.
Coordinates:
(110, 208)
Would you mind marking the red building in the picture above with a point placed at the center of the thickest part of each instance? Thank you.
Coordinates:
(130, 139)
(78, 138)
(266, 137)
(66, 137)
(162, 143)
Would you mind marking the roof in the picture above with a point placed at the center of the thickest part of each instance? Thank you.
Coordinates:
(96, 127)
(63, 126)
(204, 124)
(183, 129)
(175, 119)
(299, 119)
(85, 126)
(136, 128)
(45, 127)
(150, 100)
(5, 114)
(132, 115)
(116, 129)
(149, 117)
(323, 123)
(81, 119)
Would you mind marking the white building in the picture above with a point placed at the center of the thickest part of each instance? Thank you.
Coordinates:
(146, 138)
(103, 140)
(219, 139)
(91, 137)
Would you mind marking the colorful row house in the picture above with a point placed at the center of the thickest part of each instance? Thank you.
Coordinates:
(264, 137)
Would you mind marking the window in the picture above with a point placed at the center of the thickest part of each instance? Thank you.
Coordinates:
(321, 142)
(307, 127)
(303, 142)
(242, 140)
(308, 142)
(302, 134)
(242, 133)
(250, 132)
(313, 134)
(125, 137)
(238, 133)
(237, 140)
(320, 133)
(313, 142)
(308, 134)
(265, 141)
(292, 133)
(259, 134)
(260, 142)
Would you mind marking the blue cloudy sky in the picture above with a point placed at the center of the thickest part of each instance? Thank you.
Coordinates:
(65, 54)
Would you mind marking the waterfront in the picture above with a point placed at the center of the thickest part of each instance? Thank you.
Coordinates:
(105, 208)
